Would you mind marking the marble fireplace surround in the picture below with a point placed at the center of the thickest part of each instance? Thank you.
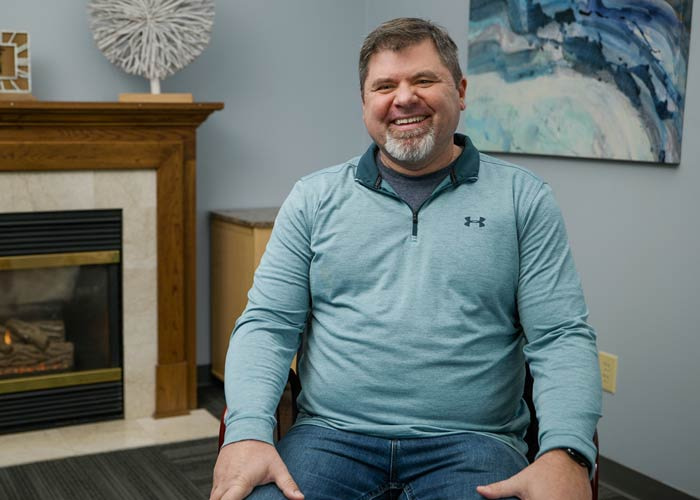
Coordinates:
(134, 192)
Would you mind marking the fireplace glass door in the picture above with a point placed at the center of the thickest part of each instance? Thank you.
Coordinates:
(60, 318)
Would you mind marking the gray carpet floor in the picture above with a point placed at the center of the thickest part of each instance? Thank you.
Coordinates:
(174, 471)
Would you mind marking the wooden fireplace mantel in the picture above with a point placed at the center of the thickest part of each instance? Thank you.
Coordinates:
(50, 136)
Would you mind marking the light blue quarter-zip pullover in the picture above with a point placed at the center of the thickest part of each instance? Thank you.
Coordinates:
(419, 323)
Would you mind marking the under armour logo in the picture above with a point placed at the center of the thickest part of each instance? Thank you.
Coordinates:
(469, 221)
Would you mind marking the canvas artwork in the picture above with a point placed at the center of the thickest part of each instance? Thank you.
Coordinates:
(582, 78)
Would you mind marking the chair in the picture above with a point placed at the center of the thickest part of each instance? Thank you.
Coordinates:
(294, 388)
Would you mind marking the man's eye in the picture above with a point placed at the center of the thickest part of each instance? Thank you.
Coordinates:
(424, 81)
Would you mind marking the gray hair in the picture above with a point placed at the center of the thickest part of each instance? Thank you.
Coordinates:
(403, 32)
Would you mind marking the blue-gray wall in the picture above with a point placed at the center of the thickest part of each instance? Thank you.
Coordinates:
(287, 73)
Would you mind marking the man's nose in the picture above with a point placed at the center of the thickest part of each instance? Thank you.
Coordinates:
(405, 95)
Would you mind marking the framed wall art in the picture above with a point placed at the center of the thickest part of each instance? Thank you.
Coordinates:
(581, 78)
(15, 72)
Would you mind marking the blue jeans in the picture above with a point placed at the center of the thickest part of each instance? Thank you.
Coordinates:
(336, 465)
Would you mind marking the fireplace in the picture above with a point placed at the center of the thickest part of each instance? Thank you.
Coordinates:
(94, 155)
(60, 318)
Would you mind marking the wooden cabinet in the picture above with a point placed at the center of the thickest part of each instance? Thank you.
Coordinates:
(238, 240)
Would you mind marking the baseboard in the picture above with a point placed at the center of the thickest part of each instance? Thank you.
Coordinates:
(636, 484)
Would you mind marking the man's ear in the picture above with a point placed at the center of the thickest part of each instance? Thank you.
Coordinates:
(462, 89)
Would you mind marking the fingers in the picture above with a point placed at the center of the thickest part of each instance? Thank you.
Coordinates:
(235, 490)
(284, 481)
(291, 490)
(502, 489)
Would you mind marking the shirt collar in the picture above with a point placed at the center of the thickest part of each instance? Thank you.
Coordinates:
(465, 169)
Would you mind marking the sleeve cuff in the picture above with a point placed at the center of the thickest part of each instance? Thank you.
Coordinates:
(248, 428)
(585, 447)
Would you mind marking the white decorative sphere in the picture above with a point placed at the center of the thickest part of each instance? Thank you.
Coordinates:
(151, 38)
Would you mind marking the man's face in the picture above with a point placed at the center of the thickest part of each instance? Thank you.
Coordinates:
(411, 107)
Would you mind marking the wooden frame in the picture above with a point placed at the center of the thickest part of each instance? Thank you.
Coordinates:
(15, 70)
(50, 136)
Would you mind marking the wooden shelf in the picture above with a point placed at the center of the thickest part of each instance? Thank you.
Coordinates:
(13, 113)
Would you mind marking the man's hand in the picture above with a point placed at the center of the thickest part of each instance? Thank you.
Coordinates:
(244, 465)
(553, 476)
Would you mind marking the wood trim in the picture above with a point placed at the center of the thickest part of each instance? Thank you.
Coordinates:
(79, 155)
(190, 253)
(170, 399)
(52, 136)
(171, 322)
(43, 113)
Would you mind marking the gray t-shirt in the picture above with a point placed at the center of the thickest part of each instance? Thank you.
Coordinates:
(414, 190)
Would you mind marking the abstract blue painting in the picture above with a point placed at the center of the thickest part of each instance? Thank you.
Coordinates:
(582, 78)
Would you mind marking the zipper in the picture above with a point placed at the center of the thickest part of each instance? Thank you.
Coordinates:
(414, 234)
(414, 213)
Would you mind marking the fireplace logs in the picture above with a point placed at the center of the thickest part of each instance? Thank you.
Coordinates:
(34, 346)
(28, 333)
(5, 348)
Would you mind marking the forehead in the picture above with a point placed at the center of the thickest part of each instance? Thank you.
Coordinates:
(416, 58)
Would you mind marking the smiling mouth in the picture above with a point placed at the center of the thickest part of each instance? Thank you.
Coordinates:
(407, 121)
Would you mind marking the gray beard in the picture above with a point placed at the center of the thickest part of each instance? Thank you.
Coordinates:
(411, 147)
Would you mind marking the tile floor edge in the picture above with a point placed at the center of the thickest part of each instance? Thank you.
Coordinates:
(134, 441)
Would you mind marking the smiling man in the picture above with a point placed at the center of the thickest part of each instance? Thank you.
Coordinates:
(418, 279)
(411, 108)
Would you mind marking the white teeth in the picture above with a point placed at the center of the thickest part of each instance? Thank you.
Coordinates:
(414, 119)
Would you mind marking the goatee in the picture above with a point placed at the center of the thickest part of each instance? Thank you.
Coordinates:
(411, 146)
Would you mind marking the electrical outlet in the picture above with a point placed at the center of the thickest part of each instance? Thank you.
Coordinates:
(608, 371)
